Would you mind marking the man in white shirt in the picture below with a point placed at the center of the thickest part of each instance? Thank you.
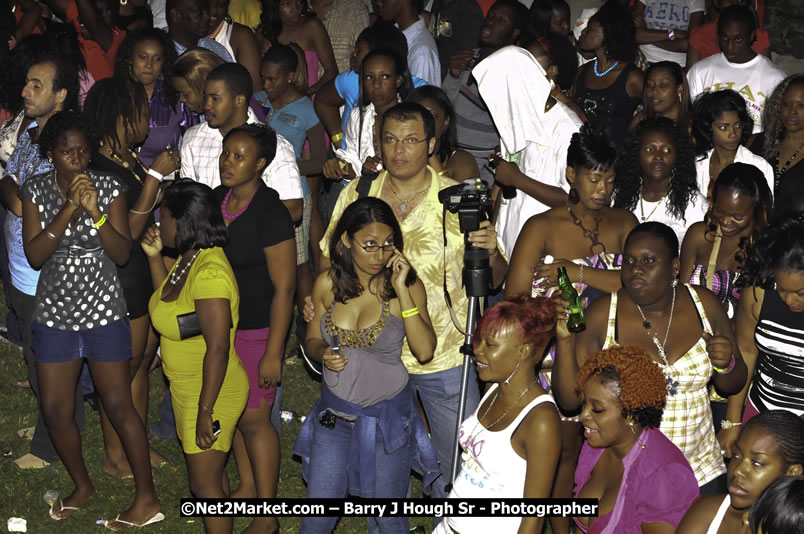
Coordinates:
(737, 67)
(226, 106)
(422, 51)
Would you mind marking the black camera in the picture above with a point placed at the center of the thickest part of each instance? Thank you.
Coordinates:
(472, 202)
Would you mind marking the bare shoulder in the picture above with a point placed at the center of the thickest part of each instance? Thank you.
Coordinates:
(322, 289)
(700, 515)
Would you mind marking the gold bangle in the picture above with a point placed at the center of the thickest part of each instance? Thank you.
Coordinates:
(410, 313)
(337, 137)
(51, 235)
(100, 222)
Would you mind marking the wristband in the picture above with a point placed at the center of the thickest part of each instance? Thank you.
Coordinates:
(156, 174)
(100, 222)
(208, 410)
(410, 313)
(337, 137)
(728, 369)
(671, 34)
(726, 424)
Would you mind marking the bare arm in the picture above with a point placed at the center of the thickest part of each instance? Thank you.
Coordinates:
(508, 173)
(92, 19)
(572, 349)
(528, 251)
(214, 317)
(115, 234)
(323, 48)
(295, 207)
(723, 346)
(318, 152)
(281, 260)
(327, 107)
(151, 244)
(747, 318)
(246, 53)
(31, 12)
(322, 290)
(539, 435)
(38, 246)
(418, 328)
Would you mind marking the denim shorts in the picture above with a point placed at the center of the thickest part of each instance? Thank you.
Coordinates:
(110, 343)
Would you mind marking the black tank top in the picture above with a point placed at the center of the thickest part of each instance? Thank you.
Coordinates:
(608, 109)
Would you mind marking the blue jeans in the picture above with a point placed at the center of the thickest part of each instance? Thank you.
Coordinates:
(327, 477)
(440, 392)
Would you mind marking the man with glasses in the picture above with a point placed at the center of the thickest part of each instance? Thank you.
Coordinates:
(411, 188)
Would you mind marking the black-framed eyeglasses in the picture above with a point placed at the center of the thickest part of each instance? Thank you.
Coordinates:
(408, 141)
(375, 248)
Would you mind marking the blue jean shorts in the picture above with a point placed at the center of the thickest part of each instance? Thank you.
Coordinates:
(110, 343)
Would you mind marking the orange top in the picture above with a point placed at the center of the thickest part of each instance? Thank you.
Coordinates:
(100, 62)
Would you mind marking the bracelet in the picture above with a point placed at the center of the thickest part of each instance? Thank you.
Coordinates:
(726, 424)
(580, 278)
(100, 222)
(73, 203)
(671, 34)
(728, 369)
(51, 235)
(337, 137)
(156, 174)
(205, 408)
(410, 313)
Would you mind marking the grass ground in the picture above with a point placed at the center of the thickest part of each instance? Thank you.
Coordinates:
(21, 492)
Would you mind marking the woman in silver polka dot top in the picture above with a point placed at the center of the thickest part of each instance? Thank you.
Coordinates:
(75, 228)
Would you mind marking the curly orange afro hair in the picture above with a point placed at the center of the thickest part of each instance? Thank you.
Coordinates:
(640, 382)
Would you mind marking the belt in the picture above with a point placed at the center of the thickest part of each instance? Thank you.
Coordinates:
(78, 252)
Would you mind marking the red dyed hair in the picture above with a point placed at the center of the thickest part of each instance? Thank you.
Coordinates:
(533, 319)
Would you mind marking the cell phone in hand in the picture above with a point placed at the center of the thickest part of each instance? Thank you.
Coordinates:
(216, 427)
(336, 347)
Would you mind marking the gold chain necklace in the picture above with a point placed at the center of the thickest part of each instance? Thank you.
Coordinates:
(403, 203)
(642, 207)
(491, 404)
(116, 157)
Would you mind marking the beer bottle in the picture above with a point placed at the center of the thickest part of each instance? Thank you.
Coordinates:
(575, 322)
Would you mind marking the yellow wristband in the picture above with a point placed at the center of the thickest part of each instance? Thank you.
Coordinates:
(100, 222)
(337, 137)
(410, 313)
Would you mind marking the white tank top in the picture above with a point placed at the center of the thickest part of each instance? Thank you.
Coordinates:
(224, 35)
(491, 468)
(718, 519)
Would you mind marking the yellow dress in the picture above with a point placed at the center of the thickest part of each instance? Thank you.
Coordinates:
(209, 277)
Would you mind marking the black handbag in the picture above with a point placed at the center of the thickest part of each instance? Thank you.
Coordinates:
(189, 325)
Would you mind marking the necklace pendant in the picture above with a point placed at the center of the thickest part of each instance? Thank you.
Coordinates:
(403, 207)
(646, 325)
(644, 219)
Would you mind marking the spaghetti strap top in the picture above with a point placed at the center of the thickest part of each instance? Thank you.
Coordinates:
(311, 58)
(721, 512)
(687, 417)
(720, 281)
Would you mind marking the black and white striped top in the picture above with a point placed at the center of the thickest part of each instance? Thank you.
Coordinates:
(779, 376)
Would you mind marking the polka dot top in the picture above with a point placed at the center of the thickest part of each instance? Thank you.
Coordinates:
(78, 286)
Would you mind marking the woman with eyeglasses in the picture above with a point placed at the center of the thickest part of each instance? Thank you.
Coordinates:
(362, 435)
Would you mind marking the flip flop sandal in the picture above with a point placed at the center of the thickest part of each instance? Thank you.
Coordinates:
(23, 383)
(159, 516)
(62, 508)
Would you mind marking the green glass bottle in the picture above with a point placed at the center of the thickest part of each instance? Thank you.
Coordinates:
(575, 322)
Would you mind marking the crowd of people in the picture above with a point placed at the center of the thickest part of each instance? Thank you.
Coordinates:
(187, 182)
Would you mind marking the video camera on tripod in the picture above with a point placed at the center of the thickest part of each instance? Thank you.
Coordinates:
(472, 202)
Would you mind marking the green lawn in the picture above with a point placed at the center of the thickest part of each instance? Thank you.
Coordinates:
(21, 492)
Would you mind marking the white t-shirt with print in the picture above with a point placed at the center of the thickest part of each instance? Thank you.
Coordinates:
(668, 15)
(754, 81)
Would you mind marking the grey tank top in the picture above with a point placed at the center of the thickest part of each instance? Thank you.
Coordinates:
(375, 371)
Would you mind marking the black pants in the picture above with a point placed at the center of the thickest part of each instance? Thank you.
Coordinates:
(41, 445)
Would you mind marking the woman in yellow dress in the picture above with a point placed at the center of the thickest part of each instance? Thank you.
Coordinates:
(195, 310)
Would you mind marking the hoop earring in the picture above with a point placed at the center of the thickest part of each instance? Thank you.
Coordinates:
(574, 197)
(508, 380)
(123, 2)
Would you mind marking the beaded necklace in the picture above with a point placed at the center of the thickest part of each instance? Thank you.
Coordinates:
(176, 275)
(608, 70)
(225, 204)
